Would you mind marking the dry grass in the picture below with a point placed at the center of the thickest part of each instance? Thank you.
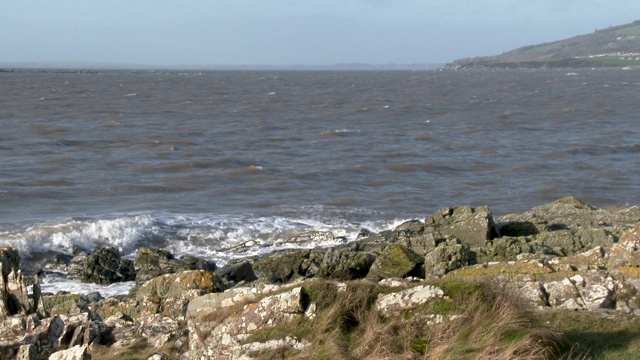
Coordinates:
(496, 324)
(139, 350)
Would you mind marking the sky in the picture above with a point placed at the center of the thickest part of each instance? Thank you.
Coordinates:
(291, 32)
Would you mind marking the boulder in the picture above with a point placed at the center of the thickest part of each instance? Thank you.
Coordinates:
(150, 263)
(627, 251)
(345, 264)
(64, 303)
(170, 294)
(396, 261)
(313, 238)
(568, 213)
(27, 352)
(217, 332)
(592, 291)
(74, 353)
(447, 256)
(13, 289)
(473, 226)
(281, 268)
(105, 267)
(393, 303)
(237, 272)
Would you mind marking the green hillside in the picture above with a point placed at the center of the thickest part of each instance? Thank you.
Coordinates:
(617, 46)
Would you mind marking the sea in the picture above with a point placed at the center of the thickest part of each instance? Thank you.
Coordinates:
(200, 162)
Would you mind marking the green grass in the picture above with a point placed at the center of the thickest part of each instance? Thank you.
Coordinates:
(616, 61)
(631, 30)
(600, 336)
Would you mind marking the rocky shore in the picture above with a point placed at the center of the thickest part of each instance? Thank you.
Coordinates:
(562, 256)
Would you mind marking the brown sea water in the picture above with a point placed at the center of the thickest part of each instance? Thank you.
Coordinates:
(200, 161)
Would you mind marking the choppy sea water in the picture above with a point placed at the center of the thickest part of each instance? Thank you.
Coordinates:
(200, 162)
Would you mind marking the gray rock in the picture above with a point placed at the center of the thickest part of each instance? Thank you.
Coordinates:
(150, 263)
(396, 261)
(13, 289)
(473, 226)
(27, 352)
(74, 353)
(237, 272)
(280, 268)
(345, 264)
(448, 256)
(105, 267)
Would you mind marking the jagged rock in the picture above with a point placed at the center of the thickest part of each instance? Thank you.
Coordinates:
(535, 293)
(150, 263)
(105, 267)
(569, 242)
(216, 333)
(313, 237)
(68, 304)
(448, 256)
(592, 291)
(27, 352)
(627, 251)
(237, 272)
(74, 353)
(473, 226)
(229, 298)
(345, 264)
(570, 213)
(13, 290)
(169, 294)
(285, 267)
(509, 248)
(287, 342)
(389, 304)
(396, 261)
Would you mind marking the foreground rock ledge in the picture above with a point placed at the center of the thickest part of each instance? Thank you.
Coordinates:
(564, 255)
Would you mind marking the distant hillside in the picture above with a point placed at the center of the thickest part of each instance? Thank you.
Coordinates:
(617, 46)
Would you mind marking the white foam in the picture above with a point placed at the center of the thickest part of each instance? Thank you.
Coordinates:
(124, 232)
(212, 237)
(54, 284)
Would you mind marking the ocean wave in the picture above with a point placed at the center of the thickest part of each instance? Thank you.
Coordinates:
(214, 237)
(339, 132)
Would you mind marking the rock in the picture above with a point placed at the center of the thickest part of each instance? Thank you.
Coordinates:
(473, 226)
(104, 267)
(570, 242)
(345, 264)
(13, 290)
(216, 333)
(67, 304)
(229, 298)
(27, 352)
(169, 294)
(74, 353)
(627, 251)
(283, 268)
(313, 238)
(390, 304)
(237, 272)
(592, 291)
(448, 256)
(396, 261)
(570, 213)
(150, 263)
(158, 357)
(535, 293)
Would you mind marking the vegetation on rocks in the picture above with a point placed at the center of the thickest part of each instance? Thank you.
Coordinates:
(551, 283)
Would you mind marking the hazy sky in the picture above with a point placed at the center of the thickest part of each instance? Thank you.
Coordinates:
(288, 32)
